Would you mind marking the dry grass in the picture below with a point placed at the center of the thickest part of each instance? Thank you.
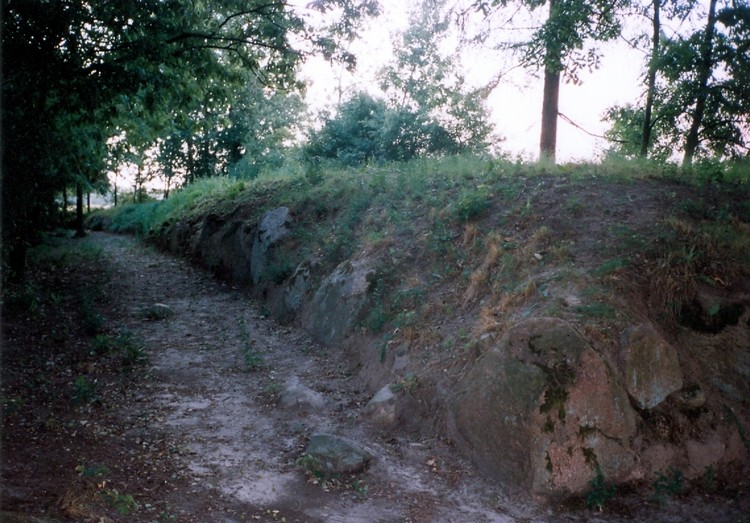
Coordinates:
(471, 233)
(688, 254)
(80, 503)
(480, 277)
(496, 316)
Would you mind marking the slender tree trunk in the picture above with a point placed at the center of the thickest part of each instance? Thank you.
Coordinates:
(704, 73)
(65, 204)
(190, 175)
(550, 100)
(115, 192)
(88, 203)
(138, 187)
(647, 124)
(80, 232)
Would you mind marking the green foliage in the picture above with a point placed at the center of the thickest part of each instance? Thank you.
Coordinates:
(84, 391)
(91, 471)
(694, 70)
(25, 297)
(124, 504)
(668, 485)
(611, 266)
(627, 127)
(472, 203)
(91, 319)
(130, 350)
(367, 129)
(424, 82)
(427, 111)
(82, 81)
(600, 491)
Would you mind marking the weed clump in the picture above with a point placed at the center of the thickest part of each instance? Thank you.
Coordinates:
(600, 491)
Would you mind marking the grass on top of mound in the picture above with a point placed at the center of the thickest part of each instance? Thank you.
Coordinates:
(488, 224)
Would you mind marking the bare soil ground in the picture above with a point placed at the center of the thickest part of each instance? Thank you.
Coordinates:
(198, 434)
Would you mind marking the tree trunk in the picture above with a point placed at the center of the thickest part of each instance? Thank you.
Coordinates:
(647, 124)
(88, 203)
(80, 232)
(551, 98)
(65, 205)
(704, 73)
(550, 109)
(190, 175)
(138, 185)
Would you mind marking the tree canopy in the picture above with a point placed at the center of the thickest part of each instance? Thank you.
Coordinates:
(76, 73)
(426, 108)
(698, 101)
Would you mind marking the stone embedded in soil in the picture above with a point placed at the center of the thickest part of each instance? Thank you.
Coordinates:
(340, 301)
(381, 409)
(297, 287)
(296, 395)
(330, 454)
(158, 311)
(652, 368)
(273, 227)
(540, 409)
(690, 398)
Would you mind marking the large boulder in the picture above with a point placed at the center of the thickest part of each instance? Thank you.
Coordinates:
(652, 368)
(340, 301)
(542, 410)
(273, 227)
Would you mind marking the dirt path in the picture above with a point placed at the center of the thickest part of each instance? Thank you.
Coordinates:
(218, 367)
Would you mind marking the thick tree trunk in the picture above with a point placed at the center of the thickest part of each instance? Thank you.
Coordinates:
(704, 73)
(80, 232)
(647, 124)
(550, 109)
(551, 99)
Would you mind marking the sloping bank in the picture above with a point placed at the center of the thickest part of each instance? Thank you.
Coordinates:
(538, 338)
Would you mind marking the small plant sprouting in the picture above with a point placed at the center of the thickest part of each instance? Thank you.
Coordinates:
(84, 391)
(250, 356)
(709, 478)
(317, 475)
(130, 350)
(92, 321)
(310, 466)
(668, 485)
(124, 504)
(359, 487)
(91, 471)
(600, 492)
